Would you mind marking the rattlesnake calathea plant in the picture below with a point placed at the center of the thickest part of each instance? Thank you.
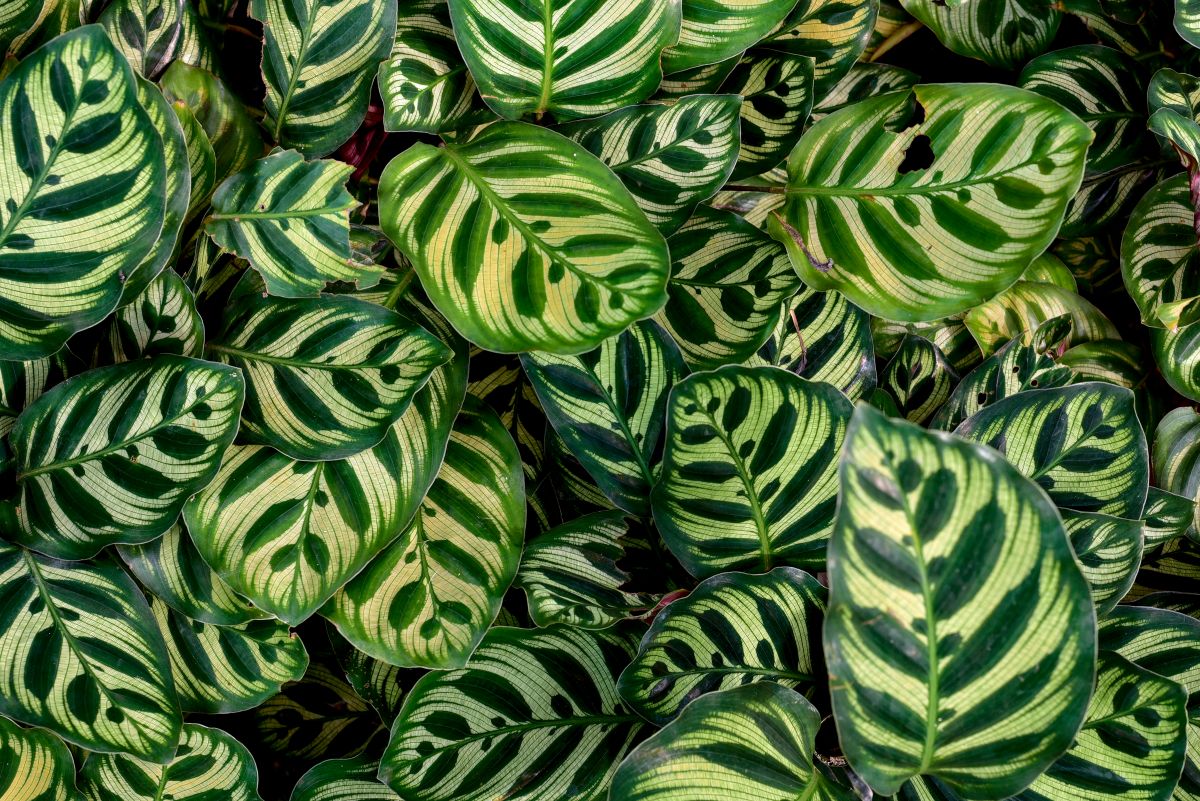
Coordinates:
(599, 400)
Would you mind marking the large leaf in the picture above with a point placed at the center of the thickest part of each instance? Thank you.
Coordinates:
(1003, 33)
(733, 629)
(1187, 21)
(290, 219)
(429, 597)
(326, 377)
(749, 470)
(21, 383)
(939, 556)
(319, 61)
(34, 765)
(1109, 550)
(728, 281)
(717, 30)
(147, 32)
(1175, 457)
(535, 717)
(931, 220)
(832, 32)
(1082, 444)
(1160, 260)
(569, 59)
(231, 131)
(1177, 354)
(112, 455)
(608, 406)
(524, 240)
(83, 212)
(343, 780)
(80, 655)
(209, 764)
(669, 157)
(777, 92)
(746, 744)
(1026, 305)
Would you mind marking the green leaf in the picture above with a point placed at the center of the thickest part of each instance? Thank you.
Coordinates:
(531, 222)
(918, 378)
(939, 552)
(1109, 550)
(717, 30)
(21, 383)
(1172, 567)
(35, 765)
(1177, 354)
(1082, 444)
(1160, 259)
(950, 335)
(220, 669)
(832, 32)
(343, 780)
(733, 629)
(80, 655)
(290, 219)
(669, 157)
(728, 281)
(67, 218)
(570, 59)
(161, 321)
(608, 406)
(1173, 90)
(937, 232)
(202, 160)
(319, 61)
(1002, 33)
(1026, 305)
(865, 79)
(1167, 517)
(147, 32)
(19, 20)
(172, 569)
(534, 717)
(424, 83)
(208, 764)
(574, 573)
(749, 470)
(745, 744)
(326, 377)
(777, 96)
(1175, 458)
(696, 81)
(111, 455)
(429, 597)
(232, 133)
(1187, 21)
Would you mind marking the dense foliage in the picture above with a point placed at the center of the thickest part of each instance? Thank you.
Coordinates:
(570, 400)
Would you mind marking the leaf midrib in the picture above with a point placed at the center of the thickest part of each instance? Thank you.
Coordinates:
(578, 720)
(760, 522)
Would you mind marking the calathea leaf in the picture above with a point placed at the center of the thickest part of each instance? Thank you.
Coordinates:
(18, 21)
(733, 629)
(573, 573)
(949, 333)
(381, 685)
(749, 469)
(1081, 443)
(1003, 33)
(669, 157)
(717, 30)
(1109, 550)
(326, 377)
(1175, 457)
(35, 765)
(319, 59)
(608, 406)
(80, 229)
(696, 81)
(865, 79)
(728, 280)
(209, 763)
(80, 655)
(1167, 517)
(428, 598)
(571, 60)
(112, 455)
(935, 223)
(777, 96)
(232, 133)
(1049, 269)
(936, 557)
(290, 219)
(918, 378)
(1187, 21)
(343, 780)
(1177, 354)
(744, 744)
(21, 383)
(1160, 260)
(535, 223)
(832, 32)
(1025, 306)
(161, 321)
(534, 717)
(147, 32)
(202, 160)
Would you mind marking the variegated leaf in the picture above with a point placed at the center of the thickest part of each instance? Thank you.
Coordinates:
(832, 32)
(1160, 259)
(717, 30)
(777, 96)
(147, 32)
(1003, 33)
(34, 765)
(918, 378)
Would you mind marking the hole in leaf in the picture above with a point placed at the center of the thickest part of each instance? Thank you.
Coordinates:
(918, 156)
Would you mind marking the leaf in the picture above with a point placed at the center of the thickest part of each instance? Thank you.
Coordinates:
(865, 79)
(1187, 21)
(608, 406)
(777, 92)
(572, 59)
(550, 228)
(429, 597)
(949, 334)
(749, 470)
(172, 569)
(1175, 458)
(111, 455)
(147, 32)
(1109, 550)
(326, 377)
(716, 30)
(231, 132)
(573, 573)
(534, 717)
(80, 656)
(209, 764)
(343, 780)
(744, 744)
(1082, 444)
(161, 321)
(696, 81)
(669, 157)
(1167, 517)
(728, 281)
(424, 83)
(319, 60)
(1024, 306)
(220, 669)
(290, 219)
(202, 160)
(1160, 260)
(1177, 354)
(34, 765)
(937, 230)
(938, 552)
(832, 32)
(71, 229)
(919, 378)
(733, 629)
(21, 383)
(1002, 33)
